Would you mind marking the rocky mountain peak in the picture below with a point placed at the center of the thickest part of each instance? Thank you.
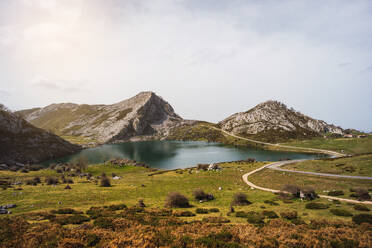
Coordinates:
(145, 114)
(274, 121)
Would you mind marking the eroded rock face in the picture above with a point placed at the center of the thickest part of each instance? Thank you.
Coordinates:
(275, 116)
(145, 115)
(21, 142)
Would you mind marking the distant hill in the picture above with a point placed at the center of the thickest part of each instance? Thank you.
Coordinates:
(273, 121)
(143, 116)
(21, 142)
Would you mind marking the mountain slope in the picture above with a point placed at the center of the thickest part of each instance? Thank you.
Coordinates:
(272, 121)
(23, 143)
(144, 115)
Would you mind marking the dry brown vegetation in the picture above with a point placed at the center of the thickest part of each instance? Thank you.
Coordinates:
(119, 226)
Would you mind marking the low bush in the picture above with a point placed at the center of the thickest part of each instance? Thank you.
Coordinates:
(201, 211)
(255, 218)
(214, 210)
(214, 240)
(200, 195)
(362, 218)
(336, 193)
(176, 200)
(270, 214)
(289, 215)
(72, 219)
(51, 181)
(184, 214)
(240, 199)
(361, 207)
(241, 214)
(272, 203)
(64, 211)
(360, 193)
(341, 212)
(117, 207)
(102, 222)
(298, 221)
(316, 205)
(203, 166)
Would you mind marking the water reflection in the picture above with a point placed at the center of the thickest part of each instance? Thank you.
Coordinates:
(177, 154)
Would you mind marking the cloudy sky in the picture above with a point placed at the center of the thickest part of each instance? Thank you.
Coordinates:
(208, 58)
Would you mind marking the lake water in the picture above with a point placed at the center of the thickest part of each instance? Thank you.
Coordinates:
(178, 154)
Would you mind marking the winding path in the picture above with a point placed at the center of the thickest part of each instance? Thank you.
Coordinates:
(276, 166)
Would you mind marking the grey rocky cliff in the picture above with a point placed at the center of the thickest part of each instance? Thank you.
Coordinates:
(144, 116)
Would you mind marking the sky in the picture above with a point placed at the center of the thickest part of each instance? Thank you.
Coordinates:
(207, 58)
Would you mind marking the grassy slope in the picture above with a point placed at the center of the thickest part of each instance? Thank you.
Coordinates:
(350, 146)
(356, 166)
(128, 190)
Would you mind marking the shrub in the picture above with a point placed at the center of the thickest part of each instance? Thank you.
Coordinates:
(362, 218)
(250, 160)
(289, 215)
(92, 239)
(67, 187)
(270, 214)
(73, 219)
(177, 200)
(51, 181)
(241, 214)
(105, 182)
(336, 193)
(184, 214)
(361, 207)
(316, 205)
(102, 222)
(240, 199)
(141, 204)
(272, 203)
(298, 221)
(117, 207)
(213, 240)
(341, 212)
(200, 195)
(201, 211)
(292, 189)
(255, 218)
(64, 211)
(214, 210)
(203, 166)
(361, 194)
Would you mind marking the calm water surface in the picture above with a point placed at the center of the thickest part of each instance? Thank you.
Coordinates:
(178, 154)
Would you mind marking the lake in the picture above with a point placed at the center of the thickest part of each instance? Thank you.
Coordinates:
(178, 154)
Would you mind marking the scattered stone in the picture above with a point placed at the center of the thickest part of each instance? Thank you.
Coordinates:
(116, 178)
(219, 188)
(142, 185)
(141, 204)
(59, 203)
(213, 167)
(68, 187)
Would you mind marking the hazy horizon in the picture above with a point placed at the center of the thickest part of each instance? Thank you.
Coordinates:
(208, 59)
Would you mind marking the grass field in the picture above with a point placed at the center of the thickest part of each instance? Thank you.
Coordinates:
(348, 145)
(137, 184)
(356, 166)
(277, 179)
